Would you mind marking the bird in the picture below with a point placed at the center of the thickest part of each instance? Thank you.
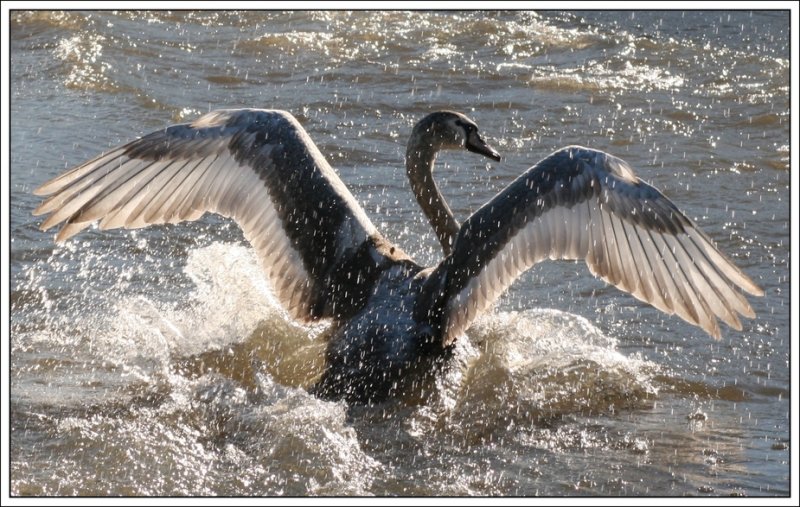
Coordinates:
(392, 319)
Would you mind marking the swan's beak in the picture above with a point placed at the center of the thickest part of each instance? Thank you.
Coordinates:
(477, 145)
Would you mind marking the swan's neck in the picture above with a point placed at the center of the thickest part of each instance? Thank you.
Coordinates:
(420, 157)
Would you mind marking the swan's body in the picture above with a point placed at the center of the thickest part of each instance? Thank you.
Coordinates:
(326, 260)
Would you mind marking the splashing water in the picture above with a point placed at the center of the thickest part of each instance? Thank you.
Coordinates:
(182, 397)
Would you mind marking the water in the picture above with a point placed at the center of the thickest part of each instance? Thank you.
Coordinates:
(157, 362)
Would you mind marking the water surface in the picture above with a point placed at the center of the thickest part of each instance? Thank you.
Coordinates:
(158, 362)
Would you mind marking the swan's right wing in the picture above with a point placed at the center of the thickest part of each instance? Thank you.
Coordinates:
(584, 204)
(258, 167)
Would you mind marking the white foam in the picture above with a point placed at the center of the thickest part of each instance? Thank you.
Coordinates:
(540, 365)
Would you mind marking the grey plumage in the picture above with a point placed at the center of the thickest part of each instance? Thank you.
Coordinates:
(325, 259)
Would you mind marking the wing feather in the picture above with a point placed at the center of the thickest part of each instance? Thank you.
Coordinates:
(642, 266)
(129, 174)
(683, 306)
(77, 173)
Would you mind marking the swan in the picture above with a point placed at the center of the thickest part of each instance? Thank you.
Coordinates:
(392, 317)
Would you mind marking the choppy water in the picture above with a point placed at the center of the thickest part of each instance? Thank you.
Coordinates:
(157, 362)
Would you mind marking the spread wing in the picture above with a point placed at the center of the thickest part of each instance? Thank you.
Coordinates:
(580, 203)
(258, 167)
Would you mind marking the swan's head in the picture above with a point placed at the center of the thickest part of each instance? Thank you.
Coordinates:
(449, 130)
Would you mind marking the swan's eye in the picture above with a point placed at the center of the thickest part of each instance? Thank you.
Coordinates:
(468, 128)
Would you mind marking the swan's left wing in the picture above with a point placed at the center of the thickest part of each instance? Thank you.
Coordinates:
(580, 203)
(259, 167)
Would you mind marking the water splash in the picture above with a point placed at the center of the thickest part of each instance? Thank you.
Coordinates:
(537, 367)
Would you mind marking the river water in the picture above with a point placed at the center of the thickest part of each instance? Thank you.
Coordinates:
(158, 362)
